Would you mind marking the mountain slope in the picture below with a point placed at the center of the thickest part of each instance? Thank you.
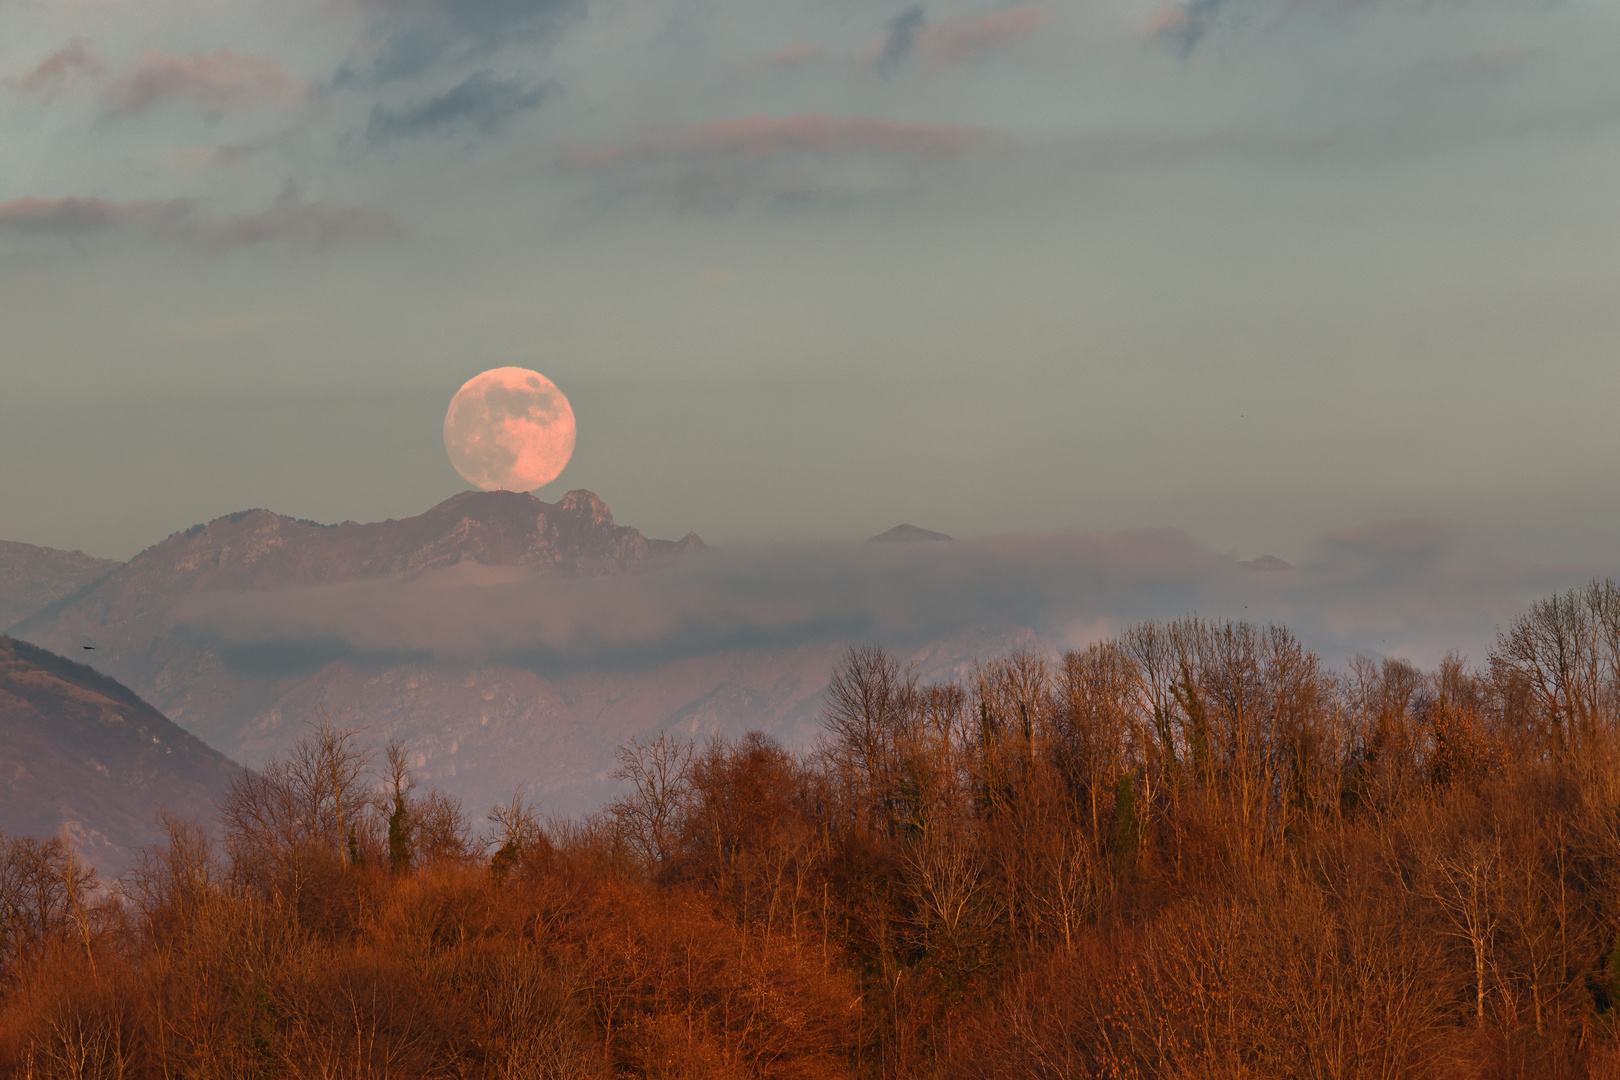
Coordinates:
(82, 752)
(209, 688)
(479, 726)
(32, 577)
(250, 702)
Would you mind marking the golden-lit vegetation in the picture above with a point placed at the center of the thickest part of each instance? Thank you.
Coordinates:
(1191, 851)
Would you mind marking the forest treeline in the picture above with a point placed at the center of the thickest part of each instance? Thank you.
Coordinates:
(1193, 850)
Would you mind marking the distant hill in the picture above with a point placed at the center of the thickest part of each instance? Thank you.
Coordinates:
(906, 534)
(80, 751)
(127, 615)
(32, 577)
(477, 729)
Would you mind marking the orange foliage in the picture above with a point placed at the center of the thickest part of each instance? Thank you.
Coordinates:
(1191, 852)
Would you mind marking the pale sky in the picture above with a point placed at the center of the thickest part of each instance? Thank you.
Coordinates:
(1257, 270)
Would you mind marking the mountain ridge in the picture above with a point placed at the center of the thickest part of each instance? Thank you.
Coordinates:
(477, 728)
(33, 577)
(84, 754)
(245, 702)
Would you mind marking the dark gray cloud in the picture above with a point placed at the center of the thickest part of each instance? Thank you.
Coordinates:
(412, 36)
(902, 39)
(481, 102)
(1379, 589)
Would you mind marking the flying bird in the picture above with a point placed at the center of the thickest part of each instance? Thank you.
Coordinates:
(88, 646)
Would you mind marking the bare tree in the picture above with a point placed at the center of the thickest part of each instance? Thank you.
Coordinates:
(326, 768)
(281, 817)
(516, 832)
(659, 772)
(170, 881)
(870, 699)
(1466, 884)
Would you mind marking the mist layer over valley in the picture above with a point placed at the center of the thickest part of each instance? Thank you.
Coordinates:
(512, 644)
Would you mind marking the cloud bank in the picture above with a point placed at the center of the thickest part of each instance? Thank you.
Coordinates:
(1383, 588)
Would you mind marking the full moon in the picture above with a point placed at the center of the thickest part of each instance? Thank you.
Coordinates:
(509, 428)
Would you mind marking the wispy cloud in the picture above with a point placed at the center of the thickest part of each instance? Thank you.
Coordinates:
(799, 161)
(962, 38)
(481, 102)
(221, 80)
(760, 137)
(74, 61)
(184, 159)
(288, 219)
(75, 215)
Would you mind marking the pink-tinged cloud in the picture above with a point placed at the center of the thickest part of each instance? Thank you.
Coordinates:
(290, 219)
(1171, 21)
(223, 80)
(962, 38)
(763, 137)
(790, 56)
(50, 75)
(71, 215)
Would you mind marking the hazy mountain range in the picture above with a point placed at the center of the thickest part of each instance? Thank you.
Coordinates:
(513, 643)
(246, 628)
(33, 577)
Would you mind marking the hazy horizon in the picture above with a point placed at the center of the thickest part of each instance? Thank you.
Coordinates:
(1257, 271)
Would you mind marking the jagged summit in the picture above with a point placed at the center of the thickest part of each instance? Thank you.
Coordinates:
(907, 534)
(259, 549)
(129, 615)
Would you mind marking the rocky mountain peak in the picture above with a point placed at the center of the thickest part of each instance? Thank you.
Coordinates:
(257, 549)
(586, 504)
